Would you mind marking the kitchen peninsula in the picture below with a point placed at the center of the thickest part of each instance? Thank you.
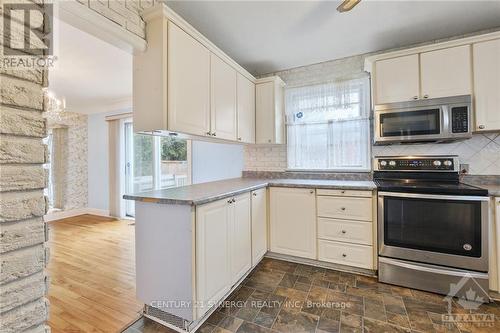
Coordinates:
(195, 244)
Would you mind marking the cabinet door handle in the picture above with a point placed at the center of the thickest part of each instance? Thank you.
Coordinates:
(343, 231)
(426, 96)
(311, 191)
(208, 133)
(213, 134)
(229, 201)
(269, 140)
(239, 139)
(344, 255)
(254, 194)
(481, 126)
(342, 208)
(343, 191)
(415, 97)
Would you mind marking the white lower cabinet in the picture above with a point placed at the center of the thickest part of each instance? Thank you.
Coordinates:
(240, 236)
(223, 247)
(259, 224)
(345, 231)
(345, 254)
(213, 273)
(293, 221)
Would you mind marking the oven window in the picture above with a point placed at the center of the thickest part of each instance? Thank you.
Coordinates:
(444, 226)
(406, 123)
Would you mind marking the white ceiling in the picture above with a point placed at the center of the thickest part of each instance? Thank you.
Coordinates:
(90, 74)
(266, 36)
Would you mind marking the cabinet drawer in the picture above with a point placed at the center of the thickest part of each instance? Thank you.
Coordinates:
(345, 193)
(345, 231)
(349, 208)
(346, 254)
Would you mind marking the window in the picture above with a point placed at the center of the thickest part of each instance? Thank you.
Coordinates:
(153, 163)
(328, 126)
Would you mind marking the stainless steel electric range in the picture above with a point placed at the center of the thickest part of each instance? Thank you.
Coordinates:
(432, 229)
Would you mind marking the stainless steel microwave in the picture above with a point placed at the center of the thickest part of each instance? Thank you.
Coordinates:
(431, 120)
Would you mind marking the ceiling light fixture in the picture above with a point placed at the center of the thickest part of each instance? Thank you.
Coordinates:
(347, 5)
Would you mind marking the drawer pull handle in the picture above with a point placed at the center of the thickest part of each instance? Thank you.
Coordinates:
(254, 194)
(311, 191)
(344, 255)
(343, 231)
(343, 191)
(343, 208)
(481, 126)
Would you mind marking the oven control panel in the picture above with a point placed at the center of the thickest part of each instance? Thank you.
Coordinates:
(431, 163)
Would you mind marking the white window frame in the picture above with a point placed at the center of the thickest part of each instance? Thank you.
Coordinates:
(368, 167)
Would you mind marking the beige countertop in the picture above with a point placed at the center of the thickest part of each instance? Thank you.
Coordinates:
(206, 192)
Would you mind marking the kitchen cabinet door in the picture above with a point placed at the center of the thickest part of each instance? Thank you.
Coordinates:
(397, 79)
(246, 109)
(269, 111)
(293, 221)
(188, 83)
(240, 237)
(446, 72)
(259, 225)
(213, 273)
(223, 99)
(486, 57)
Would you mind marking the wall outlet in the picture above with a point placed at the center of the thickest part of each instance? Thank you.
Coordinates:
(464, 168)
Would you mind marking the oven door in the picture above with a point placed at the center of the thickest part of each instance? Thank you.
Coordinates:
(444, 230)
(414, 124)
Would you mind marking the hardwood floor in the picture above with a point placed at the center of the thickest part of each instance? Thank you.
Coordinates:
(92, 275)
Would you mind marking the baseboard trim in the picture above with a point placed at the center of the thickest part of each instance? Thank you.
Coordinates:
(75, 212)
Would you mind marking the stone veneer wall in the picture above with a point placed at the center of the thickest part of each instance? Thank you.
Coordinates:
(23, 254)
(73, 178)
(23, 233)
(482, 152)
(126, 13)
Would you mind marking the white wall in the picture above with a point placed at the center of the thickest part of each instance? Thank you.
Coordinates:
(98, 178)
(215, 161)
(210, 161)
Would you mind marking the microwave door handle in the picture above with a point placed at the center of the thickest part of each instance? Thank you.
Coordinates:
(445, 110)
(433, 196)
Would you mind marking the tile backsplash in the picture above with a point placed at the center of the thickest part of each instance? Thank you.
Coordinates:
(481, 153)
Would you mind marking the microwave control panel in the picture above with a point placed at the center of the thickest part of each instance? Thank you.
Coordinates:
(459, 119)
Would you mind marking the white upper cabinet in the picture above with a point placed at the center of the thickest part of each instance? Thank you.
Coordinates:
(240, 236)
(184, 83)
(188, 83)
(397, 79)
(245, 109)
(486, 57)
(259, 224)
(446, 72)
(293, 221)
(223, 111)
(269, 111)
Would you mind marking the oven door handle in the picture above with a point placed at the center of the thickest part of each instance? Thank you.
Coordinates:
(433, 196)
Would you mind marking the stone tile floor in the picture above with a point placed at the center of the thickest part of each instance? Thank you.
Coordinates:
(280, 296)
